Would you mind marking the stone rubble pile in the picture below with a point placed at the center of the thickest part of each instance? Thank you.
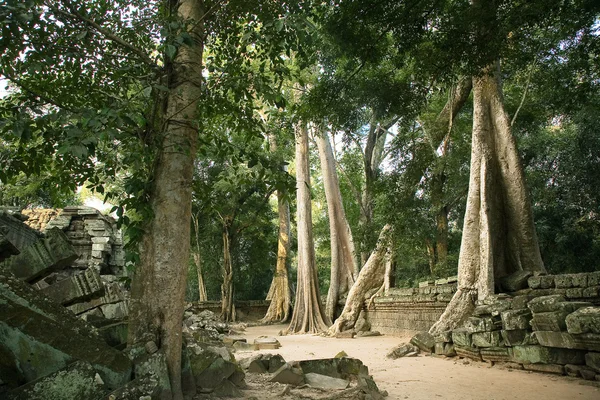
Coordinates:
(74, 257)
(550, 323)
(348, 376)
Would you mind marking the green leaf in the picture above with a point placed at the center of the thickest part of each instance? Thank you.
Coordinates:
(170, 51)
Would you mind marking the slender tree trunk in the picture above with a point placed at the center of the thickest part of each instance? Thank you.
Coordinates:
(198, 262)
(499, 236)
(308, 315)
(280, 293)
(227, 306)
(342, 244)
(371, 276)
(440, 210)
(158, 288)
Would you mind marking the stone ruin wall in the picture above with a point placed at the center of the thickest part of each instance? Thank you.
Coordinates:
(75, 257)
(546, 323)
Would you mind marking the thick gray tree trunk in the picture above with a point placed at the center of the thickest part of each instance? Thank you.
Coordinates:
(158, 288)
(499, 236)
(342, 245)
(280, 293)
(308, 315)
(371, 276)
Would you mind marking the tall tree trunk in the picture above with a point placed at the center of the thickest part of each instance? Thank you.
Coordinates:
(440, 211)
(308, 315)
(227, 306)
(499, 236)
(371, 276)
(158, 288)
(198, 262)
(280, 293)
(342, 245)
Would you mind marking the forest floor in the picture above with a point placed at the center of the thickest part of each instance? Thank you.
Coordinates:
(414, 378)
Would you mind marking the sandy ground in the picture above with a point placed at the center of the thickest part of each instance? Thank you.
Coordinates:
(427, 377)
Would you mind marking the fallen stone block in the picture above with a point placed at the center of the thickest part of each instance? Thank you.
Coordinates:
(494, 308)
(345, 334)
(584, 320)
(217, 372)
(496, 354)
(424, 341)
(549, 321)
(547, 355)
(462, 337)
(403, 350)
(84, 285)
(243, 346)
(288, 374)
(516, 319)
(43, 337)
(325, 382)
(547, 368)
(230, 340)
(77, 381)
(515, 281)
(546, 303)
(471, 353)
(154, 365)
(586, 341)
(444, 349)
(487, 339)
(50, 253)
(368, 333)
(580, 371)
(343, 368)
(266, 343)
(7, 249)
(113, 293)
(592, 360)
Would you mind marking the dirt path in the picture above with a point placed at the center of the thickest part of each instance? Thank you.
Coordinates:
(426, 377)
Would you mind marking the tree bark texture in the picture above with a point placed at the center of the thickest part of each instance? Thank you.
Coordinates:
(158, 288)
(371, 276)
(227, 306)
(308, 315)
(499, 236)
(342, 245)
(279, 292)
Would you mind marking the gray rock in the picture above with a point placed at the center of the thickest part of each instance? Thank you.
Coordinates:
(154, 365)
(213, 376)
(546, 368)
(546, 303)
(77, 381)
(580, 371)
(584, 320)
(516, 319)
(56, 337)
(471, 353)
(461, 337)
(78, 287)
(325, 382)
(368, 333)
(266, 343)
(288, 374)
(592, 360)
(402, 350)
(496, 354)
(424, 341)
(445, 349)
(243, 346)
(547, 355)
(444, 337)
(487, 339)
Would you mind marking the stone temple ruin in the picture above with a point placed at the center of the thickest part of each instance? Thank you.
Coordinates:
(64, 308)
(546, 323)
